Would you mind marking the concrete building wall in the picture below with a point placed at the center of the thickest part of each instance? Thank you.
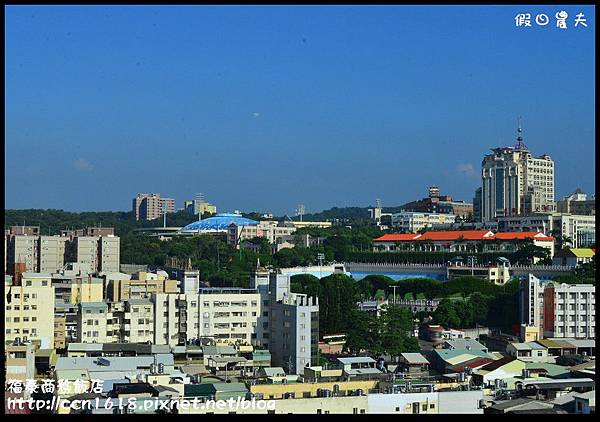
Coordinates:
(109, 253)
(92, 323)
(51, 253)
(30, 310)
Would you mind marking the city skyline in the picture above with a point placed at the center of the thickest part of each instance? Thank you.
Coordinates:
(265, 108)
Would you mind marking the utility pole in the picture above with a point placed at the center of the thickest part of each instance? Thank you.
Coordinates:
(394, 287)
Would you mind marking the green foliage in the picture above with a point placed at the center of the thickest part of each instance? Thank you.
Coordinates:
(388, 334)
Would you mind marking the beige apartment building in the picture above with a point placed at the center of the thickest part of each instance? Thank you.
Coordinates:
(146, 284)
(86, 289)
(51, 256)
(23, 249)
(29, 310)
(226, 315)
(152, 206)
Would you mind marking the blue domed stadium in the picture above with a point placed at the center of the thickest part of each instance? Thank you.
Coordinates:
(217, 223)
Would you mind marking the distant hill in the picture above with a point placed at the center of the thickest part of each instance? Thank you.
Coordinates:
(346, 213)
(52, 221)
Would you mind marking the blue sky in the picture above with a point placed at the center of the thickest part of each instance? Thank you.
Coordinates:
(266, 107)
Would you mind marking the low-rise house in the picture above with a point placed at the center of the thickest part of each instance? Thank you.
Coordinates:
(556, 347)
(573, 257)
(464, 344)
(444, 360)
(413, 364)
(216, 391)
(528, 352)
(359, 367)
(585, 403)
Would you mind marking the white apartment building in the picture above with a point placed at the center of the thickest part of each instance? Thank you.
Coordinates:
(273, 231)
(570, 311)
(289, 323)
(29, 309)
(93, 323)
(558, 310)
(225, 315)
(138, 321)
(581, 229)
(514, 182)
(412, 222)
(131, 321)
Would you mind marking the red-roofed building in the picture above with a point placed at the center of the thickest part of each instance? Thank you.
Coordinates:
(461, 241)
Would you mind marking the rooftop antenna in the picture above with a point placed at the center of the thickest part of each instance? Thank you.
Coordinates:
(520, 145)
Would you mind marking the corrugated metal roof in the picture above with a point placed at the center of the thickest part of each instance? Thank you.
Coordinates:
(415, 358)
(357, 359)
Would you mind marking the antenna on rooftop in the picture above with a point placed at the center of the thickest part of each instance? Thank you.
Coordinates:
(520, 145)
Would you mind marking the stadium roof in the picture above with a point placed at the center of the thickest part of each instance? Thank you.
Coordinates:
(218, 223)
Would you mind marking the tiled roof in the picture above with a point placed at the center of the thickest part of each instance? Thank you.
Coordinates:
(522, 235)
(397, 237)
(456, 234)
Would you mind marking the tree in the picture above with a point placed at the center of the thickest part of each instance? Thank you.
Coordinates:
(446, 314)
(362, 332)
(479, 304)
(396, 324)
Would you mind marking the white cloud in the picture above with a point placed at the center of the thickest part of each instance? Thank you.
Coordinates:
(466, 169)
(83, 165)
(255, 114)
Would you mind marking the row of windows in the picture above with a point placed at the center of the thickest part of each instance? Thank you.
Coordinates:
(18, 319)
(18, 307)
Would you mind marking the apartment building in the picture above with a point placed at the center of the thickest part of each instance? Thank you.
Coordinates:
(442, 204)
(28, 309)
(273, 231)
(152, 206)
(557, 310)
(570, 311)
(22, 249)
(86, 289)
(294, 332)
(51, 253)
(412, 222)
(289, 323)
(138, 321)
(225, 315)
(199, 206)
(123, 287)
(580, 229)
(577, 203)
(92, 322)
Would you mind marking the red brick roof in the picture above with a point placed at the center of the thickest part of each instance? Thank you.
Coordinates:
(454, 235)
(397, 237)
(522, 235)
